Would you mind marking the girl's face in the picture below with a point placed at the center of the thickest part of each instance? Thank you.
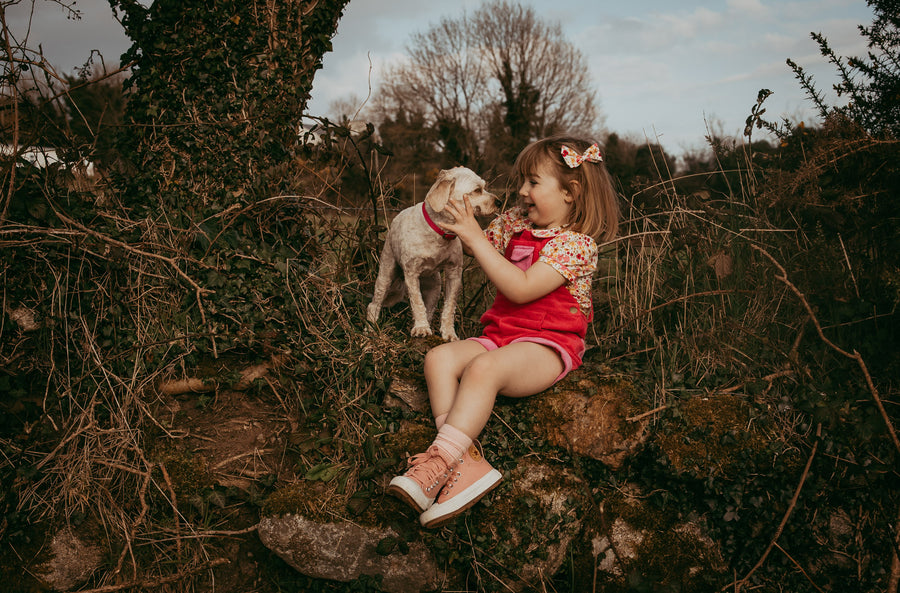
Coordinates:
(547, 203)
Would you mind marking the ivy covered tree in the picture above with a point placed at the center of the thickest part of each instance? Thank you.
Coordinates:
(216, 94)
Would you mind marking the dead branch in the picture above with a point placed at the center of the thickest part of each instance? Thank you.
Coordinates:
(247, 377)
(738, 585)
(646, 414)
(109, 240)
(894, 577)
(854, 355)
(800, 568)
(154, 583)
(182, 386)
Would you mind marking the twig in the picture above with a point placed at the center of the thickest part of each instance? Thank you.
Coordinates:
(154, 583)
(106, 239)
(220, 533)
(645, 414)
(225, 462)
(7, 199)
(894, 577)
(800, 568)
(129, 535)
(854, 355)
(174, 503)
(740, 583)
(849, 265)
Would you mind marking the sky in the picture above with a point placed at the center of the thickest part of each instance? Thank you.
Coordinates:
(665, 71)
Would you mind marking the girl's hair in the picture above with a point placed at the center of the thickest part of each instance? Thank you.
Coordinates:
(595, 210)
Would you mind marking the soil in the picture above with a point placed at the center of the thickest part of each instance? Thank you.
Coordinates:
(241, 436)
(242, 439)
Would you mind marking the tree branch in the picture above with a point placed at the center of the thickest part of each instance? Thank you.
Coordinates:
(854, 355)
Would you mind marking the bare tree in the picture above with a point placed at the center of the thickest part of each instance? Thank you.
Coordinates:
(491, 82)
(446, 76)
(544, 79)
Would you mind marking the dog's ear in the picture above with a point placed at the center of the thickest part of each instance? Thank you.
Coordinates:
(440, 192)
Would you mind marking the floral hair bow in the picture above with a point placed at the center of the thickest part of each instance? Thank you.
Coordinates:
(573, 159)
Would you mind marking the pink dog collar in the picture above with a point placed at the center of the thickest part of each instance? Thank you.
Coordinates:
(444, 234)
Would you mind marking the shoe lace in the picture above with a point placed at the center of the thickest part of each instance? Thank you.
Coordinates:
(427, 467)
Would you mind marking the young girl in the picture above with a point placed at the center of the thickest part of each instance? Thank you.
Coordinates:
(541, 256)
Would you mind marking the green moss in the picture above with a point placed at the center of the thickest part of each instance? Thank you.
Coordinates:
(298, 498)
(517, 523)
(188, 472)
(412, 438)
(365, 503)
(670, 555)
(716, 435)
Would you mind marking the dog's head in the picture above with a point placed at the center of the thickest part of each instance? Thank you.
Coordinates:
(459, 182)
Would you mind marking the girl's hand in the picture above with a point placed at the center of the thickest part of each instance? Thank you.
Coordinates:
(464, 224)
(520, 286)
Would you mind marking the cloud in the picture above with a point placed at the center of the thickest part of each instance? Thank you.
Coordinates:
(749, 8)
(52, 29)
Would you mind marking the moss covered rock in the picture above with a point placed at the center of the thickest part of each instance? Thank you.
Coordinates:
(716, 434)
(344, 551)
(640, 547)
(592, 416)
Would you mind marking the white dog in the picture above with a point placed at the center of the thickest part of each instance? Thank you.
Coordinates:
(417, 247)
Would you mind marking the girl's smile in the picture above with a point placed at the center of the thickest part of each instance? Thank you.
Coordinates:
(546, 203)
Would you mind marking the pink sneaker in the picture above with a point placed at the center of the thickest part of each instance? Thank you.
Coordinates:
(423, 480)
(472, 478)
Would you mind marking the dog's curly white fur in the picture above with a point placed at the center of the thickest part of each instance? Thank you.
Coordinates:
(420, 253)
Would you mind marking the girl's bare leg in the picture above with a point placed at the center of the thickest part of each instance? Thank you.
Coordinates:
(515, 370)
(444, 366)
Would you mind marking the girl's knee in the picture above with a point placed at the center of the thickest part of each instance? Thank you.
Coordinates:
(479, 367)
(436, 357)
(440, 359)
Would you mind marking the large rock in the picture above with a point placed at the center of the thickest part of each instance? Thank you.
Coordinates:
(71, 561)
(346, 551)
(637, 545)
(591, 417)
(529, 522)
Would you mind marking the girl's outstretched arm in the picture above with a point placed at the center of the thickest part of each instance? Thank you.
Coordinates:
(519, 286)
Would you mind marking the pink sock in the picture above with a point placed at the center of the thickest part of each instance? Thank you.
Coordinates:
(439, 420)
(452, 440)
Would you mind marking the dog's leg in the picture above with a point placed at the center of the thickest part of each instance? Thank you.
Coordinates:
(421, 327)
(452, 285)
(386, 267)
(430, 286)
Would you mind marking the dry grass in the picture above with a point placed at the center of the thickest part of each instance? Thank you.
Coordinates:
(683, 296)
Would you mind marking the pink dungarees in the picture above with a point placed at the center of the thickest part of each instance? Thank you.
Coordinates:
(554, 320)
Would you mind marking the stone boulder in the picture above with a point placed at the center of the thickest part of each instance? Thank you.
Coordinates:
(592, 417)
(346, 551)
(530, 522)
(587, 415)
(409, 393)
(638, 545)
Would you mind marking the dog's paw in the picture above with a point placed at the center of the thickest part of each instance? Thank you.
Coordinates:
(420, 331)
(449, 335)
(372, 312)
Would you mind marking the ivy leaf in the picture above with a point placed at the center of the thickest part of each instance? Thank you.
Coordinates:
(387, 545)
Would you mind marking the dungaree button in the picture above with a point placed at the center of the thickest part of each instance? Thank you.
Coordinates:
(573, 310)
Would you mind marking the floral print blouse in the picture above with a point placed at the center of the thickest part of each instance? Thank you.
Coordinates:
(572, 254)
